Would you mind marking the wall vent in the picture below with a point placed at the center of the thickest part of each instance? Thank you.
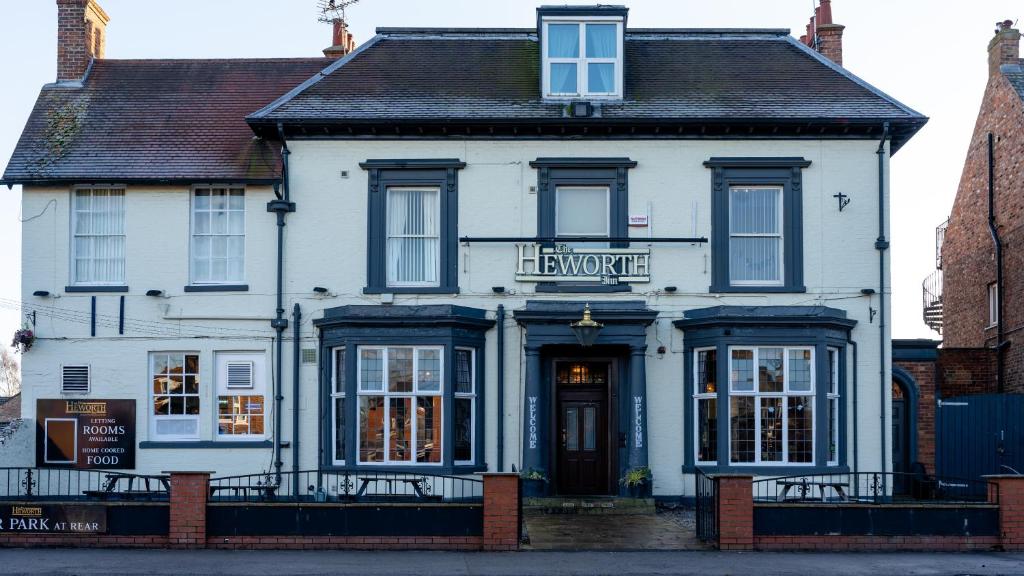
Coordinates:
(240, 374)
(74, 379)
(309, 355)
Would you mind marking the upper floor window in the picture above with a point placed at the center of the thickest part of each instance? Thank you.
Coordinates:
(98, 238)
(583, 58)
(757, 224)
(218, 236)
(993, 304)
(412, 237)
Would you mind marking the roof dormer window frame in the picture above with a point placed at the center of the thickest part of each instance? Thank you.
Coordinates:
(583, 60)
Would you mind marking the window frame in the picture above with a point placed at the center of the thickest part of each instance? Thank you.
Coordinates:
(992, 291)
(785, 395)
(472, 397)
(336, 393)
(414, 394)
(582, 61)
(258, 388)
(387, 237)
(742, 172)
(232, 282)
(74, 282)
(151, 395)
(833, 419)
(382, 174)
(698, 396)
(780, 235)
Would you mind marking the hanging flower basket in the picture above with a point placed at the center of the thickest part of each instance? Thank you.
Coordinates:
(23, 340)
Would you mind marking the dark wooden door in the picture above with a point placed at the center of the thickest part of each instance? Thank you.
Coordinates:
(900, 446)
(582, 452)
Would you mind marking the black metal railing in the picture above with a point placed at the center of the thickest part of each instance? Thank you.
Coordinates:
(70, 484)
(706, 507)
(330, 486)
(873, 488)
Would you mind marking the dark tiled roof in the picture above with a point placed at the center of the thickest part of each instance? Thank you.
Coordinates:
(1015, 74)
(684, 75)
(156, 120)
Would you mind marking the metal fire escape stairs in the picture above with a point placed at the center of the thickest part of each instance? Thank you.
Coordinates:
(931, 288)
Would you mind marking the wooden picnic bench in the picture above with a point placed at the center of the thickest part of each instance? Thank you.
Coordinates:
(415, 483)
(266, 490)
(113, 479)
(805, 489)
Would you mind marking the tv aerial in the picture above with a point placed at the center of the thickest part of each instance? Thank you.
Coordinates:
(333, 10)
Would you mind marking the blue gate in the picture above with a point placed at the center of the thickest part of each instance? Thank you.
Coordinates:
(979, 435)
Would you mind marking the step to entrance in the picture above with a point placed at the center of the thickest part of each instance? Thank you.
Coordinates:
(610, 505)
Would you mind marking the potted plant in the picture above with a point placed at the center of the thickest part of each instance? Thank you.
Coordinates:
(533, 483)
(23, 340)
(637, 481)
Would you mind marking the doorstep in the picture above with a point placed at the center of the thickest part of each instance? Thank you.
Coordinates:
(601, 505)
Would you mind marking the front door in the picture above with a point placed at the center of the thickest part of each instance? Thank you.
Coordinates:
(900, 447)
(582, 453)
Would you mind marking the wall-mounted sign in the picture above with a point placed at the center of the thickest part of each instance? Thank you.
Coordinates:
(562, 263)
(85, 434)
(638, 220)
(52, 519)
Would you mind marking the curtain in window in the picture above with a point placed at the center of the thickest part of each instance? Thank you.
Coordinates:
(755, 228)
(601, 78)
(563, 41)
(563, 78)
(218, 235)
(601, 40)
(98, 243)
(413, 238)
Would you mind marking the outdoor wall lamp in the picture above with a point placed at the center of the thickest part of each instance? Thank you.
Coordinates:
(586, 329)
(154, 293)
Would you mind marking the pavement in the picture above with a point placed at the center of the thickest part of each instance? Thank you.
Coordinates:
(666, 530)
(278, 563)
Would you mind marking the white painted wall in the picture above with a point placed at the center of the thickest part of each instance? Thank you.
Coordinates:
(325, 242)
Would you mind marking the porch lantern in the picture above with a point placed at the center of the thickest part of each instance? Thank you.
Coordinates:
(586, 329)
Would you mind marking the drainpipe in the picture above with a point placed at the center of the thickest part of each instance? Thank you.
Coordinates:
(998, 244)
(881, 244)
(501, 387)
(297, 320)
(280, 206)
(853, 344)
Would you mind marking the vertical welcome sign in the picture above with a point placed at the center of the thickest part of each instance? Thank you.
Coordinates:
(85, 434)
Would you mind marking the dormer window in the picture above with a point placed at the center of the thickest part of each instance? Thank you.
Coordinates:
(582, 53)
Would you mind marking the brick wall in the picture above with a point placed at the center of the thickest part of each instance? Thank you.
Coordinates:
(1011, 511)
(188, 509)
(967, 253)
(735, 512)
(966, 372)
(501, 512)
(923, 373)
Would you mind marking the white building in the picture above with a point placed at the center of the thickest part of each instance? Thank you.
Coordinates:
(420, 317)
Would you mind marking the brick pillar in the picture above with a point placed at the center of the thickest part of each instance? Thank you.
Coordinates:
(188, 509)
(501, 511)
(1011, 510)
(830, 42)
(735, 511)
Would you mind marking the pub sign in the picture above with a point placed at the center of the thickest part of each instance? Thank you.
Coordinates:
(85, 434)
(52, 519)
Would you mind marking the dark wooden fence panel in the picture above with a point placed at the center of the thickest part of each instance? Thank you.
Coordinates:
(795, 520)
(980, 435)
(258, 519)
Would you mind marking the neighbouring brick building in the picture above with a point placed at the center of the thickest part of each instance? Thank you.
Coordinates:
(970, 262)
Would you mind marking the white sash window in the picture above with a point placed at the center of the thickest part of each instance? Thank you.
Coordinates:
(413, 236)
(98, 238)
(755, 236)
(218, 236)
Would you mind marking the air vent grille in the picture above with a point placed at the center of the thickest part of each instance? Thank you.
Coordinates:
(309, 355)
(74, 379)
(239, 374)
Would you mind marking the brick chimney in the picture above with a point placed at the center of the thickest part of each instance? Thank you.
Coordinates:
(81, 36)
(823, 35)
(1004, 47)
(342, 41)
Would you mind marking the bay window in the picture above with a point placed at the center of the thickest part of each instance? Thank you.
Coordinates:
(337, 396)
(98, 237)
(465, 405)
(833, 406)
(706, 405)
(400, 416)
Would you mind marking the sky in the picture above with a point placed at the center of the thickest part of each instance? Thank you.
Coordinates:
(931, 55)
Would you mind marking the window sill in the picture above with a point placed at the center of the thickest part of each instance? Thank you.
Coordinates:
(217, 288)
(758, 289)
(411, 290)
(86, 289)
(402, 469)
(204, 444)
(762, 470)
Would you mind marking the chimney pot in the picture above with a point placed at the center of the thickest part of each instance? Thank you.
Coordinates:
(823, 35)
(342, 42)
(1004, 48)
